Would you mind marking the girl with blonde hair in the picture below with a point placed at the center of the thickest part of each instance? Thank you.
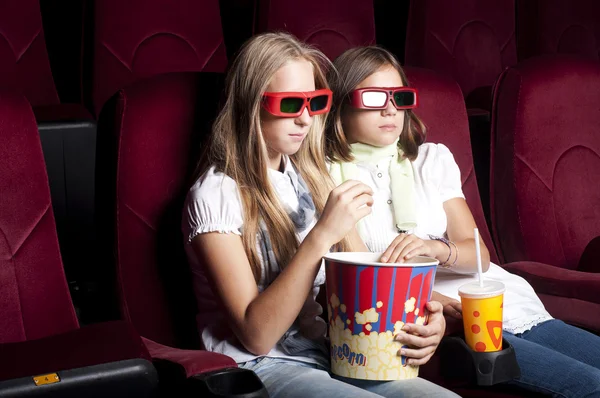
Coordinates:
(260, 217)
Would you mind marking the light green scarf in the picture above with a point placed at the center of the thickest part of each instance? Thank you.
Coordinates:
(401, 176)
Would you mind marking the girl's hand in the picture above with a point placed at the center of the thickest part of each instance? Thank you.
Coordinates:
(452, 307)
(407, 246)
(345, 206)
(423, 340)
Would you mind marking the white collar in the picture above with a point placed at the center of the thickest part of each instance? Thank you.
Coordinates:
(282, 177)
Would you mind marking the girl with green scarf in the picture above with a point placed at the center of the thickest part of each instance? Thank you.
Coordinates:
(419, 208)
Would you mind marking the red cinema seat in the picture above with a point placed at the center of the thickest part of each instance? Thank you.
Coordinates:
(558, 27)
(332, 26)
(136, 39)
(545, 168)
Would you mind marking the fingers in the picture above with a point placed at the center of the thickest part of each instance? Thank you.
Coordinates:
(343, 187)
(419, 341)
(353, 189)
(388, 252)
(401, 247)
(363, 212)
(434, 328)
(457, 306)
(454, 310)
(393, 252)
(416, 355)
(395, 256)
(415, 244)
(434, 306)
(355, 197)
(410, 360)
(419, 362)
(361, 200)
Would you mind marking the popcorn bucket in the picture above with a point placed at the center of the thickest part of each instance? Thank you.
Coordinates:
(368, 302)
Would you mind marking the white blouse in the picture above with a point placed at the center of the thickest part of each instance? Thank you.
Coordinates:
(437, 179)
(213, 204)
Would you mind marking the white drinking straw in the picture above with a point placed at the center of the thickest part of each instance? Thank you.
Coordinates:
(478, 255)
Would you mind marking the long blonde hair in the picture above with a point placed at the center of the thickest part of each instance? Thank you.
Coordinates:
(237, 147)
(351, 68)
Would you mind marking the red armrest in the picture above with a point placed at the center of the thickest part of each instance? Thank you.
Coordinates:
(90, 345)
(556, 281)
(192, 362)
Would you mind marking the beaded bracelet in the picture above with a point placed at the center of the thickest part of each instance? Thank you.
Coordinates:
(455, 258)
(447, 243)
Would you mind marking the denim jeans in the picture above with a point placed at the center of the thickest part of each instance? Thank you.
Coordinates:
(558, 359)
(288, 378)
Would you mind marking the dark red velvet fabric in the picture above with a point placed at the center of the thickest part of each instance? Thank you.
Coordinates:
(472, 41)
(156, 126)
(91, 345)
(571, 296)
(548, 279)
(442, 109)
(190, 362)
(34, 297)
(333, 26)
(546, 160)
(24, 64)
(557, 26)
(136, 39)
(153, 127)
(573, 311)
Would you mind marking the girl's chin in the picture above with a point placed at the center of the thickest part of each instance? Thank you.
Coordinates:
(383, 140)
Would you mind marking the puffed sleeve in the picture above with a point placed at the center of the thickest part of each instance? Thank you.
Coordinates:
(212, 205)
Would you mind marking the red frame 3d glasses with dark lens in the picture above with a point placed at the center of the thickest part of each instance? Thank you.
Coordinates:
(378, 97)
(292, 104)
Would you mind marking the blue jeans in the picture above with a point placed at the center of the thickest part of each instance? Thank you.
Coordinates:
(558, 359)
(292, 379)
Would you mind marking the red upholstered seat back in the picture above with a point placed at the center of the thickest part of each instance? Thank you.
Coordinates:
(470, 40)
(154, 127)
(546, 160)
(333, 26)
(556, 26)
(24, 64)
(34, 297)
(136, 39)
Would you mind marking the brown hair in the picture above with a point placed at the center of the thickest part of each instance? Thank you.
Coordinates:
(351, 68)
(237, 147)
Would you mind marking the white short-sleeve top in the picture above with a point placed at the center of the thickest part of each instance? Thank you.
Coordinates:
(213, 204)
(437, 179)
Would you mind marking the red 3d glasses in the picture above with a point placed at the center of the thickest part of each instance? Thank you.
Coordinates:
(378, 97)
(292, 104)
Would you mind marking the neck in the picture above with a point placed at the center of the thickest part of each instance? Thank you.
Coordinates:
(275, 161)
(373, 154)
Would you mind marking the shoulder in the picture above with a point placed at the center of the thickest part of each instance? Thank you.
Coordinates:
(431, 151)
(436, 164)
(213, 204)
(214, 185)
(433, 155)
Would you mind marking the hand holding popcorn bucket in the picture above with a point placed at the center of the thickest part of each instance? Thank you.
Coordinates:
(368, 302)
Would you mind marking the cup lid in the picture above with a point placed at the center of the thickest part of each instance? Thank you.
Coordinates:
(489, 289)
